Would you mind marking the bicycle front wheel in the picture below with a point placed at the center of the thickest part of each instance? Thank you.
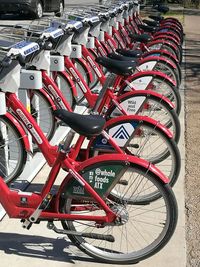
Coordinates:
(41, 110)
(144, 230)
(65, 88)
(12, 151)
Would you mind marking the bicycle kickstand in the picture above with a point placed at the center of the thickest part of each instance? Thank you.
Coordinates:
(27, 223)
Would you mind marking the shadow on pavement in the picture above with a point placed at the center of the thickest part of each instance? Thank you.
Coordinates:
(54, 249)
(192, 54)
(17, 17)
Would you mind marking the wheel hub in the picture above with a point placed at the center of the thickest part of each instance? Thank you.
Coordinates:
(122, 214)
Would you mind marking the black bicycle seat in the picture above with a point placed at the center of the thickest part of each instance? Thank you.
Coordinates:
(151, 23)
(147, 28)
(162, 8)
(122, 57)
(124, 68)
(157, 18)
(143, 38)
(86, 125)
(130, 53)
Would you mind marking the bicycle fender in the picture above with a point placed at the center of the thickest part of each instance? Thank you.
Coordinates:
(20, 130)
(159, 52)
(72, 85)
(121, 158)
(146, 93)
(167, 34)
(107, 175)
(157, 59)
(137, 119)
(50, 100)
(86, 66)
(150, 73)
(166, 38)
(158, 41)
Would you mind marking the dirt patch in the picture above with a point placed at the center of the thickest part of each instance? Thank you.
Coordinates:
(192, 138)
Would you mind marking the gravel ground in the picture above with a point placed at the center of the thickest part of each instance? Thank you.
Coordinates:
(192, 140)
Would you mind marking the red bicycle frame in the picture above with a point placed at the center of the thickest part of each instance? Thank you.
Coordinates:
(49, 151)
(22, 205)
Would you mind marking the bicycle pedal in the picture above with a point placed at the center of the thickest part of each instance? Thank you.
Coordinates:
(123, 182)
(95, 91)
(134, 145)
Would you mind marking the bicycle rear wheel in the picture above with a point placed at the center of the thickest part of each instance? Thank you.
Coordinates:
(167, 47)
(144, 230)
(168, 56)
(12, 151)
(155, 83)
(166, 69)
(142, 139)
(150, 106)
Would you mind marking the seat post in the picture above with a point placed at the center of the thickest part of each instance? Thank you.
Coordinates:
(109, 82)
(68, 140)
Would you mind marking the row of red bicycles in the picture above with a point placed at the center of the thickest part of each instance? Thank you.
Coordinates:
(121, 157)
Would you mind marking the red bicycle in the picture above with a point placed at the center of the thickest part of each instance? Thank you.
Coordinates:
(100, 198)
(98, 218)
(143, 133)
(148, 80)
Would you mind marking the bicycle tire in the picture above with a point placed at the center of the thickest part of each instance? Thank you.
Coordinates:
(139, 237)
(15, 149)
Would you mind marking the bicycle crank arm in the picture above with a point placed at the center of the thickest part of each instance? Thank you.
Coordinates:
(134, 145)
(123, 182)
(108, 238)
